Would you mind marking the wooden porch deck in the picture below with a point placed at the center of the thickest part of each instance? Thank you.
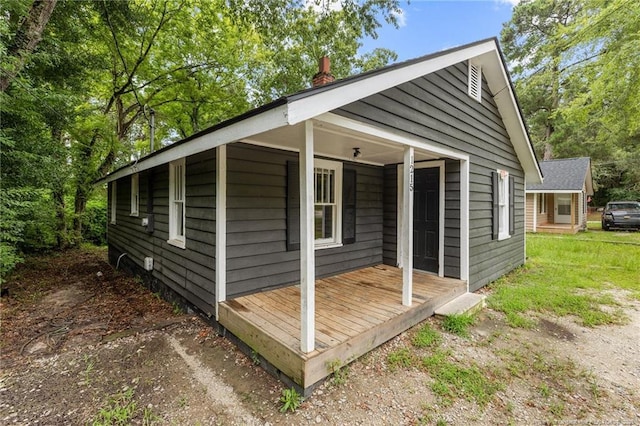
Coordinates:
(355, 312)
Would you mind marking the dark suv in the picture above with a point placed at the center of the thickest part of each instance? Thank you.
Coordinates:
(621, 214)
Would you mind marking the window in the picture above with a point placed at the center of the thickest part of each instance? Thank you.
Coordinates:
(177, 203)
(542, 203)
(503, 204)
(135, 194)
(114, 193)
(475, 81)
(327, 203)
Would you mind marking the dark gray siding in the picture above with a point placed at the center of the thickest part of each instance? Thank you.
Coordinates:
(390, 230)
(257, 256)
(437, 109)
(191, 271)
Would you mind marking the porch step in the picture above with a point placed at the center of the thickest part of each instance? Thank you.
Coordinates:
(468, 303)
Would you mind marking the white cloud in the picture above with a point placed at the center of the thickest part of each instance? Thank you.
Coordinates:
(401, 17)
(511, 2)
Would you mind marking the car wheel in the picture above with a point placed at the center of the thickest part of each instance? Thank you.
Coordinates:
(605, 227)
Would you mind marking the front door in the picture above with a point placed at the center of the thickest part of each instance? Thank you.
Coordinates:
(425, 219)
(562, 208)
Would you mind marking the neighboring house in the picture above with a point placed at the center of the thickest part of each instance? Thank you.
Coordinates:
(559, 204)
(318, 226)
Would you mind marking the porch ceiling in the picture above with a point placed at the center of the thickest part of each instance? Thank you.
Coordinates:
(338, 142)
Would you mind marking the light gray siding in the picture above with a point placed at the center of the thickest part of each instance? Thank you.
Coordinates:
(189, 272)
(257, 256)
(437, 109)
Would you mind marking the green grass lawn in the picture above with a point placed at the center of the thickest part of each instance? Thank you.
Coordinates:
(570, 275)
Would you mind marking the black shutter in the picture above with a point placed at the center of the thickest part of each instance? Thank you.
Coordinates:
(495, 222)
(348, 206)
(512, 205)
(293, 206)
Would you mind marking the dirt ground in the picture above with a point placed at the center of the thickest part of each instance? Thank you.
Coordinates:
(80, 341)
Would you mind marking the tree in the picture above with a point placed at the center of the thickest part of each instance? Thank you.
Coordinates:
(578, 79)
(25, 39)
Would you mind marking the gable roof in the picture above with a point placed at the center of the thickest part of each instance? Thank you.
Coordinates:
(310, 103)
(565, 175)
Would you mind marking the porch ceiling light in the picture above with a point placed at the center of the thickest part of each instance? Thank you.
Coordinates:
(356, 152)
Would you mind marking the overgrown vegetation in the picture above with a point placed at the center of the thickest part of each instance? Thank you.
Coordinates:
(120, 410)
(453, 380)
(458, 324)
(570, 275)
(77, 87)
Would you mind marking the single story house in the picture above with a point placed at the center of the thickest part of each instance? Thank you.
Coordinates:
(318, 226)
(559, 204)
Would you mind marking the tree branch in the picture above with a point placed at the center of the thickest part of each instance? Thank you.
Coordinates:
(26, 39)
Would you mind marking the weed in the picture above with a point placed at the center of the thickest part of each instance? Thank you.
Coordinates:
(458, 324)
(426, 337)
(544, 390)
(120, 410)
(290, 400)
(339, 372)
(557, 409)
(441, 422)
(452, 380)
(177, 310)
(255, 357)
(182, 402)
(89, 366)
(149, 417)
(399, 358)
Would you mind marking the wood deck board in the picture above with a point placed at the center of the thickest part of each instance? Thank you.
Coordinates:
(355, 312)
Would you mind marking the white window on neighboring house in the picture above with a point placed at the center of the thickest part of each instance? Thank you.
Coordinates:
(114, 194)
(327, 203)
(135, 194)
(177, 203)
(542, 203)
(475, 81)
(503, 204)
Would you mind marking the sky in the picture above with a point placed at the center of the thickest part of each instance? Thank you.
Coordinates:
(428, 26)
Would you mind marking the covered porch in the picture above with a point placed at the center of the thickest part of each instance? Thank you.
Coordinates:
(354, 313)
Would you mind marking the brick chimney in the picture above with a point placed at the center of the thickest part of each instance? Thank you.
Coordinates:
(323, 76)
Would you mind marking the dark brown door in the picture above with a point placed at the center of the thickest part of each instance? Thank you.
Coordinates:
(425, 219)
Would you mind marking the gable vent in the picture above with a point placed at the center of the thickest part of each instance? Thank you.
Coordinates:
(475, 81)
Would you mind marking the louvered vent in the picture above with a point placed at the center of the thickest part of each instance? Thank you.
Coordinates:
(475, 81)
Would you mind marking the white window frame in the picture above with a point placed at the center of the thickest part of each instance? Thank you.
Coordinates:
(135, 194)
(336, 166)
(475, 81)
(177, 198)
(542, 203)
(503, 205)
(114, 196)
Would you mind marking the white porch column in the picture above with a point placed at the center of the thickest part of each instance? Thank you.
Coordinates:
(464, 221)
(307, 249)
(534, 225)
(407, 228)
(221, 225)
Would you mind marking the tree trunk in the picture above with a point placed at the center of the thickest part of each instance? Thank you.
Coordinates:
(82, 195)
(26, 39)
(61, 220)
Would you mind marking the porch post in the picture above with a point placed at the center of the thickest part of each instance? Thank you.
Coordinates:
(307, 249)
(221, 226)
(464, 221)
(534, 216)
(407, 228)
